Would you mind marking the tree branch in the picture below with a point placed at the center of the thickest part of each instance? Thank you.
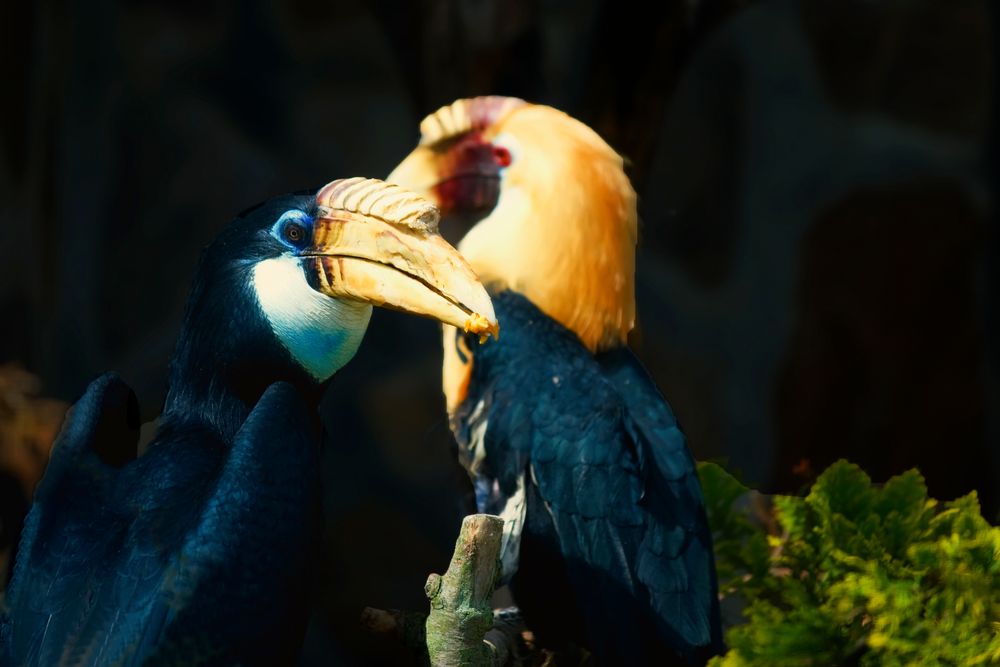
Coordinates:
(461, 613)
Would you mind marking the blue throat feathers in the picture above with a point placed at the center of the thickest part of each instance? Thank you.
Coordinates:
(321, 334)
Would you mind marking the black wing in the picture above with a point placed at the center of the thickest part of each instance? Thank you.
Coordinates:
(172, 555)
(684, 593)
(612, 481)
(63, 536)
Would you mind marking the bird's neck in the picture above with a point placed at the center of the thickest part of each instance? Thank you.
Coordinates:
(224, 361)
(575, 262)
(215, 403)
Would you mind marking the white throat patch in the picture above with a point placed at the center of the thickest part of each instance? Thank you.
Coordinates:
(321, 333)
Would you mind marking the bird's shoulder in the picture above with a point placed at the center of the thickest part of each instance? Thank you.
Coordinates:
(537, 401)
(545, 395)
(128, 545)
(75, 533)
(75, 495)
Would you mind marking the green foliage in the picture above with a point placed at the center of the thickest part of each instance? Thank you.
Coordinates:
(741, 550)
(857, 574)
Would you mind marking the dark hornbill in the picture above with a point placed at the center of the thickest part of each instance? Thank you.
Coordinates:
(201, 550)
(564, 433)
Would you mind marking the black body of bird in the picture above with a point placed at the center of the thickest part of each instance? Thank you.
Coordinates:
(615, 552)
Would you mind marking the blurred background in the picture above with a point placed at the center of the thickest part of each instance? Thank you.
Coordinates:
(818, 264)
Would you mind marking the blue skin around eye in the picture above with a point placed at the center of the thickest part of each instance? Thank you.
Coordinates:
(293, 215)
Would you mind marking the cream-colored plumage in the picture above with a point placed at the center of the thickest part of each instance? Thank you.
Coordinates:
(563, 231)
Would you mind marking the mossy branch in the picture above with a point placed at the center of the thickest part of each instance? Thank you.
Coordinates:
(461, 613)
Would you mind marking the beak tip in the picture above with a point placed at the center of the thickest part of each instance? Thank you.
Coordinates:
(483, 326)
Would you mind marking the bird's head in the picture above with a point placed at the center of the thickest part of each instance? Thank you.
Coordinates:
(287, 290)
(560, 213)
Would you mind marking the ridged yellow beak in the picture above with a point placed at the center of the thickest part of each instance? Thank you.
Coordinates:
(377, 243)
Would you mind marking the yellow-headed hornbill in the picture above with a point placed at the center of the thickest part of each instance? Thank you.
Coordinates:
(202, 550)
(606, 543)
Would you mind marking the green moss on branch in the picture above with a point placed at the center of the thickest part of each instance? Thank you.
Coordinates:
(461, 613)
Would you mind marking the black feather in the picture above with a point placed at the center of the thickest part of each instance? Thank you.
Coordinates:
(616, 555)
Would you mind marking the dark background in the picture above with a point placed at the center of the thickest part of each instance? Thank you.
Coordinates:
(817, 271)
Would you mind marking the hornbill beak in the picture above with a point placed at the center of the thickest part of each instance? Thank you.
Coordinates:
(377, 243)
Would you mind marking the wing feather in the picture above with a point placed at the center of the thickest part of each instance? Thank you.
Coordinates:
(610, 465)
(676, 561)
(174, 555)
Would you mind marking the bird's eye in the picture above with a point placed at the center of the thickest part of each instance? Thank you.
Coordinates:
(501, 156)
(294, 229)
(294, 233)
